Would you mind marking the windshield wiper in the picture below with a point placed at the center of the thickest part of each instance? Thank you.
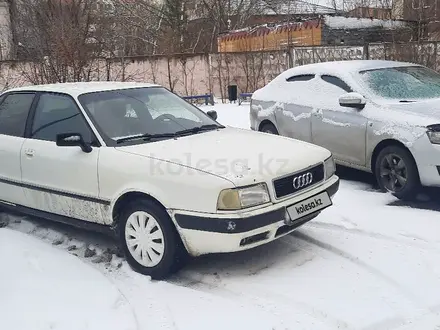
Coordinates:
(198, 129)
(146, 137)
(406, 101)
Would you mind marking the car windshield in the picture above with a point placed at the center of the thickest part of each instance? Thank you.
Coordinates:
(407, 83)
(130, 114)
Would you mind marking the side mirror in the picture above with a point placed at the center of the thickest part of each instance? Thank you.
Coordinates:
(352, 100)
(73, 140)
(212, 114)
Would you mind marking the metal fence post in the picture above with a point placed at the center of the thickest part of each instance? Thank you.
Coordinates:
(435, 56)
(290, 56)
(366, 51)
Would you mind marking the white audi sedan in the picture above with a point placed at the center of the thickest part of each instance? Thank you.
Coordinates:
(377, 116)
(168, 180)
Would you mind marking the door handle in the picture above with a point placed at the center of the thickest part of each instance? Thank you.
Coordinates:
(29, 152)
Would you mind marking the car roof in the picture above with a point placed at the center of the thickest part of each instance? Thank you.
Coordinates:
(351, 66)
(78, 88)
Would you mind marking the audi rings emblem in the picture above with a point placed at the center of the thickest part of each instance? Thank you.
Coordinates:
(303, 180)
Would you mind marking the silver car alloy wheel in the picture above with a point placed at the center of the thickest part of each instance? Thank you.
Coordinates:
(144, 239)
(393, 173)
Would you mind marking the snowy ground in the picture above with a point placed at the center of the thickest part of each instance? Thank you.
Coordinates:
(369, 262)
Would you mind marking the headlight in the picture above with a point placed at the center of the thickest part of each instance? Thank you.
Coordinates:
(240, 198)
(329, 167)
(434, 137)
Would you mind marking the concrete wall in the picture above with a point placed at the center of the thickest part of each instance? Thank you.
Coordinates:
(184, 74)
(212, 73)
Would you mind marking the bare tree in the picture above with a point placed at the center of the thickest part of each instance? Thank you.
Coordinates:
(139, 26)
(12, 26)
(156, 27)
(225, 15)
(10, 76)
(62, 39)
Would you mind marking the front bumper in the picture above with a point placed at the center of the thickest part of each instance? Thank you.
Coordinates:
(220, 233)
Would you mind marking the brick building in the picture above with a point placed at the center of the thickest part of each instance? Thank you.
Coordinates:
(370, 12)
(425, 14)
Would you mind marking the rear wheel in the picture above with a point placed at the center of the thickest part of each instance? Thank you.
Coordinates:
(396, 172)
(149, 239)
(269, 128)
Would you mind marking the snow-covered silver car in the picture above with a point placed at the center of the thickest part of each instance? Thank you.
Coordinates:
(377, 116)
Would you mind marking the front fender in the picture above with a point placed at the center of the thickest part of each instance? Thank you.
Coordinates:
(378, 132)
(263, 111)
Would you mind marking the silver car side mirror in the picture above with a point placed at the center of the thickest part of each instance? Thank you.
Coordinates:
(352, 100)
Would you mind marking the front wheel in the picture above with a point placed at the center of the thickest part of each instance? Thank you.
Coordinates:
(149, 239)
(396, 172)
(269, 128)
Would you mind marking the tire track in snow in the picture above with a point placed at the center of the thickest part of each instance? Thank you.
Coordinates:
(392, 323)
(273, 303)
(408, 240)
(355, 260)
(266, 301)
(399, 323)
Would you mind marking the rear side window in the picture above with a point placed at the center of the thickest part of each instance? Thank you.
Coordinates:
(337, 82)
(14, 111)
(301, 77)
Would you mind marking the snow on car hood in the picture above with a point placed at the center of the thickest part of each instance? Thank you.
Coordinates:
(419, 113)
(240, 156)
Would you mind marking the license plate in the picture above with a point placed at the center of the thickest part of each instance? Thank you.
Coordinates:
(308, 206)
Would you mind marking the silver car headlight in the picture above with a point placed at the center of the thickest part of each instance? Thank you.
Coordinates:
(240, 198)
(329, 167)
(434, 137)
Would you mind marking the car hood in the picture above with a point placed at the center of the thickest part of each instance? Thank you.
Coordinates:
(240, 156)
(419, 113)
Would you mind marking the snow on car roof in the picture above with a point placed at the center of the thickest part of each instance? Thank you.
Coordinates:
(338, 67)
(78, 88)
(345, 70)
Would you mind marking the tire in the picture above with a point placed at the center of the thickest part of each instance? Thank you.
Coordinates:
(163, 252)
(269, 128)
(396, 164)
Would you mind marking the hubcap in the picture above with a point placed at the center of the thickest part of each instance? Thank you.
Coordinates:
(144, 239)
(393, 173)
